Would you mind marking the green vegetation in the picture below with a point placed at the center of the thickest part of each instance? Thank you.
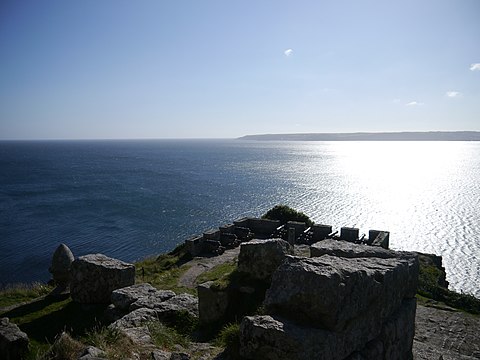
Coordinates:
(229, 339)
(21, 293)
(285, 213)
(164, 271)
(220, 274)
(166, 337)
(430, 286)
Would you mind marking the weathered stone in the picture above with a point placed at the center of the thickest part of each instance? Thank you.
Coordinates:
(260, 258)
(13, 341)
(92, 353)
(334, 293)
(139, 335)
(180, 356)
(152, 300)
(95, 276)
(212, 303)
(161, 355)
(62, 260)
(176, 305)
(267, 337)
(275, 338)
(122, 298)
(135, 318)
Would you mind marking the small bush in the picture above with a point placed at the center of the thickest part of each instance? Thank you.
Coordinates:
(285, 213)
(229, 338)
(64, 348)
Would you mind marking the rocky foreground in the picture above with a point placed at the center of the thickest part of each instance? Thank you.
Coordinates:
(334, 300)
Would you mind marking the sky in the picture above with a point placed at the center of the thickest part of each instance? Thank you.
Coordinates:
(106, 69)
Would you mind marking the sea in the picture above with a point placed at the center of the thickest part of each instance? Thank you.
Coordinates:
(132, 199)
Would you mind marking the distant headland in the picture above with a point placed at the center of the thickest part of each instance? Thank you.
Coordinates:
(370, 136)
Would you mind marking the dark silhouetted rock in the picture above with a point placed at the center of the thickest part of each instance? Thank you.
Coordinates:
(13, 341)
(62, 260)
(212, 303)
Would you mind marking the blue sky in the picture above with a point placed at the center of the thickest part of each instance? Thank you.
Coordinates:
(217, 69)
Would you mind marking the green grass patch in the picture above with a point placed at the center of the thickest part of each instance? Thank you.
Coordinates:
(43, 320)
(21, 293)
(166, 337)
(229, 339)
(429, 280)
(219, 274)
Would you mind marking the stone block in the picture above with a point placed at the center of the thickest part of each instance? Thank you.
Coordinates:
(320, 232)
(95, 276)
(260, 258)
(152, 300)
(13, 341)
(212, 303)
(334, 292)
(349, 234)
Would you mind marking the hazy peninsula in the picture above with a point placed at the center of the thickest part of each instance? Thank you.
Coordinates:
(370, 136)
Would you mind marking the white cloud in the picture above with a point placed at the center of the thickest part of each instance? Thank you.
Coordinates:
(453, 94)
(289, 52)
(475, 67)
(413, 103)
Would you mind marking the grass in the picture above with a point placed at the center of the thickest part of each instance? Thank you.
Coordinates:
(21, 293)
(164, 271)
(220, 274)
(429, 281)
(229, 339)
(166, 337)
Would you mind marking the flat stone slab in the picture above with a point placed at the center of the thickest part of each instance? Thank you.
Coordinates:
(95, 276)
(351, 250)
(122, 298)
(152, 300)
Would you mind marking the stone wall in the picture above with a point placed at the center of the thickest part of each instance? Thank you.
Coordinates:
(348, 302)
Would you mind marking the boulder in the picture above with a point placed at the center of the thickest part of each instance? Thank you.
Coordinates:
(122, 298)
(62, 260)
(92, 353)
(152, 300)
(260, 258)
(176, 305)
(212, 303)
(334, 292)
(135, 319)
(13, 341)
(95, 276)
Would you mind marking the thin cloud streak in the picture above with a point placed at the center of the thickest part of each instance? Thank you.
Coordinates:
(475, 67)
(289, 52)
(453, 94)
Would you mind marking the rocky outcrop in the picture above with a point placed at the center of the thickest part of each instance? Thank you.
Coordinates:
(124, 297)
(135, 307)
(260, 258)
(352, 302)
(95, 276)
(13, 341)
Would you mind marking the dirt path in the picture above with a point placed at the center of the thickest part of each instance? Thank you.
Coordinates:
(199, 265)
(446, 335)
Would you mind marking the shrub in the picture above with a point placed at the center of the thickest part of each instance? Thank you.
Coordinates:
(229, 338)
(285, 213)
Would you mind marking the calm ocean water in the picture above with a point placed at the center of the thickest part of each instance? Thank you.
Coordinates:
(131, 199)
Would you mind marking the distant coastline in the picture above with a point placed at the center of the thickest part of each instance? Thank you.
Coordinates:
(370, 136)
